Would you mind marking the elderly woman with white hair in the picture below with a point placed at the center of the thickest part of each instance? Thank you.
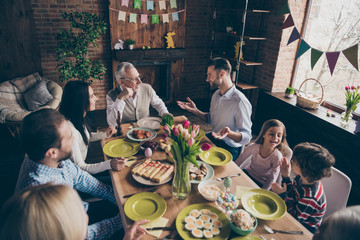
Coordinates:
(132, 98)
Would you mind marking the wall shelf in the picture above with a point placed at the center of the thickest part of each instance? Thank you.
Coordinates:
(150, 54)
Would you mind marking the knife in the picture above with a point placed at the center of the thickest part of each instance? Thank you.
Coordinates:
(132, 194)
(160, 228)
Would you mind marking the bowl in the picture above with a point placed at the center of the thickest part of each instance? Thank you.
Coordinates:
(149, 144)
(240, 231)
(211, 186)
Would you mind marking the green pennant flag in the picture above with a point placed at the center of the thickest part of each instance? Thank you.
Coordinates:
(315, 55)
(137, 4)
(351, 54)
(302, 49)
(155, 19)
(284, 9)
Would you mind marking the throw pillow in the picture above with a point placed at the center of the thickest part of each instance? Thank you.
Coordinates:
(37, 96)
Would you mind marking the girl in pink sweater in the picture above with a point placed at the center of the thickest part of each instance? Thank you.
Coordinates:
(265, 153)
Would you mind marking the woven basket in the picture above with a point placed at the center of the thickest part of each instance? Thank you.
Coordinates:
(309, 103)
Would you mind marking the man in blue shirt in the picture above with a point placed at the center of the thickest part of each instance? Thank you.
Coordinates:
(230, 110)
(47, 140)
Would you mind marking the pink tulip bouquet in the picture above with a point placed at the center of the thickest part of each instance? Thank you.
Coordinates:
(352, 95)
(183, 150)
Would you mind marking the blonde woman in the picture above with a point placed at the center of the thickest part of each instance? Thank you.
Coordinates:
(50, 212)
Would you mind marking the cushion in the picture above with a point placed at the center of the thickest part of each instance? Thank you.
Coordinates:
(37, 96)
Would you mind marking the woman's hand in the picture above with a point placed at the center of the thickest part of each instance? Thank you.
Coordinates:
(110, 131)
(135, 231)
(118, 163)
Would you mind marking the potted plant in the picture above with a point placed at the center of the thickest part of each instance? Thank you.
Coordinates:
(130, 43)
(73, 47)
(289, 92)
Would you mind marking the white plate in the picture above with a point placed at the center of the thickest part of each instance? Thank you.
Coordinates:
(150, 122)
(153, 134)
(144, 181)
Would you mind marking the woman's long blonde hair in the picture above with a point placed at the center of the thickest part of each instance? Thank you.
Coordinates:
(269, 124)
(44, 212)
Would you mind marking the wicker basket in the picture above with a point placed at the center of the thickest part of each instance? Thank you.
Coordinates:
(309, 103)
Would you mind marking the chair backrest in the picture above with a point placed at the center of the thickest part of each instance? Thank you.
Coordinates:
(337, 189)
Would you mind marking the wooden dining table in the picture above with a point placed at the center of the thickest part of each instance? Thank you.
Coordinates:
(123, 184)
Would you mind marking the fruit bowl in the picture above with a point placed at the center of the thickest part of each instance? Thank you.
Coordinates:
(149, 144)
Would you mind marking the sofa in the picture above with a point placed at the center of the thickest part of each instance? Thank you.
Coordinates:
(23, 95)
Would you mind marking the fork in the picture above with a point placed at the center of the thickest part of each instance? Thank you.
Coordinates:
(222, 179)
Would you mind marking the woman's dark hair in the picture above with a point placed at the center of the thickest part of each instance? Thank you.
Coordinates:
(40, 132)
(75, 104)
(314, 160)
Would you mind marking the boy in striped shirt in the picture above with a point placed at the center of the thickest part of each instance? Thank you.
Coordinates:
(304, 196)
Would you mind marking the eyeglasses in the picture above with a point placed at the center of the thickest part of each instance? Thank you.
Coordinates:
(134, 80)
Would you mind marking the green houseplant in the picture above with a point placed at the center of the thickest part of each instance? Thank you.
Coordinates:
(73, 47)
(289, 92)
(130, 43)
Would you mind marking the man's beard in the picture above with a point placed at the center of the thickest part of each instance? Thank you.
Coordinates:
(215, 84)
(65, 155)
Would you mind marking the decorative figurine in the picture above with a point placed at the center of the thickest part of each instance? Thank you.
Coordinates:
(169, 40)
(227, 182)
(237, 50)
(119, 45)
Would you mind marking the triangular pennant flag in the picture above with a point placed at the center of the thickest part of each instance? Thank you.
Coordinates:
(125, 3)
(137, 4)
(315, 55)
(175, 16)
(162, 5)
(132, 18)
(294, 36)
(122, 16)
(155, 19)
(165, 18)
(144, 18)
(284, 9)
(351, 54)
(150, 5)
(173, 4)
(289, 22)
(332, 58)
(302, 48)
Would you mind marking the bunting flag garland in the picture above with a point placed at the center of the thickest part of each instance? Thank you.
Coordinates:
(122, 16)
(315, 55)
(155, 19)
(351, 55)
(125, 3)
(294, 36)
(137, 4)
(173, 4)
(175, 16)
(144, 18)
(332, 58)
(132, 18)
(150, 5)
(162, 5)
(302, 49)
(165, 18)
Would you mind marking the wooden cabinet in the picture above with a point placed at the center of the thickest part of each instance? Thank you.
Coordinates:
(245, 19)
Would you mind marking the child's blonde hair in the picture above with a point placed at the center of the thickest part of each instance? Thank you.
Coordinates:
(269, 124)
(44, 212)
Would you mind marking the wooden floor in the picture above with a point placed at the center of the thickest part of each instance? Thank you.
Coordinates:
(12, 154)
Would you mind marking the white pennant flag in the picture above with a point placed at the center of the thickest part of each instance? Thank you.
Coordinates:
(165, 18)
(162, 5)
(122, 16)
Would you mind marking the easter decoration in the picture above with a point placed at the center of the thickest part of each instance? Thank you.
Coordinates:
(227, 183)
(169, 40)
(119, 45)
(148, 153)
(237, 50)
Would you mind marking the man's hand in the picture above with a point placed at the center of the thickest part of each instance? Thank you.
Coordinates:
(118, 163)
(110, 131)
(126, 93)
(189, 105)
(285, 167)
(222, 133)
(276, 188)
(135, 231)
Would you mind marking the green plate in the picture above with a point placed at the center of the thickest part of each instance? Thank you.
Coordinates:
(152, 131)
(200, 135)
(216, 156)
(185, 234)
(209, 174)
(145, 205)
(248, 237)
(264, 204)
(121, 148)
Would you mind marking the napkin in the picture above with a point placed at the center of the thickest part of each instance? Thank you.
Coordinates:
(240, 190)
(160, 222)
(130, 162)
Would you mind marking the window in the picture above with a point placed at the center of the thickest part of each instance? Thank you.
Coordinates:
(332, 25)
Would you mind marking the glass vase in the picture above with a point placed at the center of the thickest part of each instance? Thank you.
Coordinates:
(345, 117)
(181, 185)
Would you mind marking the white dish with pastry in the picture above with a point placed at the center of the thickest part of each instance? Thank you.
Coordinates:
(152, 172)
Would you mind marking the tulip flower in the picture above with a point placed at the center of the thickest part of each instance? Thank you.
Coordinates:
(180, 127)
(193, 133)
(176, 131)
(166, 130)
(191, 141)
(186, 124)
(205, 146)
